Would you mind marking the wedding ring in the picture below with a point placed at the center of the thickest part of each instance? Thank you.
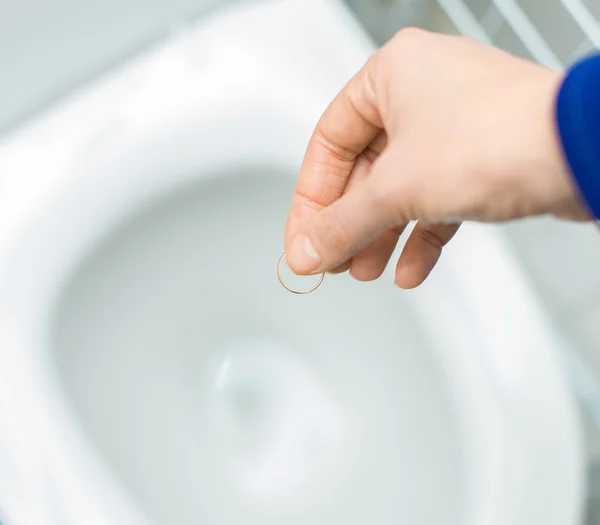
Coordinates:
(297, 292)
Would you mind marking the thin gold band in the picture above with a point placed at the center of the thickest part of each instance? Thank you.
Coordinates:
(297, 292)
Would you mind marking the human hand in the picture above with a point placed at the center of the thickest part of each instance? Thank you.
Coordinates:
(437, 129)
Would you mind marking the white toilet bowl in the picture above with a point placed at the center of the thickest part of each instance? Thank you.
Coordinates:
(153, 370)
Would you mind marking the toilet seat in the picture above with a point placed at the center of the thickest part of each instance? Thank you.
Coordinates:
(71, 176)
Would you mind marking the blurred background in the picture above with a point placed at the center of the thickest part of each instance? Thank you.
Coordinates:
(49, 48)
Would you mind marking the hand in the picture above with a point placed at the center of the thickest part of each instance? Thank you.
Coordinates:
(437, 129)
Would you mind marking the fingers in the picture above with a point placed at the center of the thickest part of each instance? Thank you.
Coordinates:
(360, 172)
(351, 223)
(348, 126)
(370, 262)
(421, 253)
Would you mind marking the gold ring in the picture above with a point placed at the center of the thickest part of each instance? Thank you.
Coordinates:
(297, 292)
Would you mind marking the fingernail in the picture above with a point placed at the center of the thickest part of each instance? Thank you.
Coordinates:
(302, 257)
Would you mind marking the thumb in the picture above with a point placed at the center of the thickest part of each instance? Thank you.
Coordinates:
(352, 222)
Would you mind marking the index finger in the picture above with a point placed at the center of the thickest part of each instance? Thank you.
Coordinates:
(348, 125)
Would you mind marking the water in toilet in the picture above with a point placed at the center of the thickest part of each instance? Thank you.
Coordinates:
(220, 398)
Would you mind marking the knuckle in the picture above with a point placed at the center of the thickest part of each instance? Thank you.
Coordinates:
(370, 76)
(409, 37)
(430, 237)
(469, 41)
(334, 150)
(401, 58)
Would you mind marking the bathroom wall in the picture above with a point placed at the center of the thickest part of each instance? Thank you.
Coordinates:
(49, 46)
(382, 18)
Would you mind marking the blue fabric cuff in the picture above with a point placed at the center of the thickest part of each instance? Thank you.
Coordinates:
(578, 119)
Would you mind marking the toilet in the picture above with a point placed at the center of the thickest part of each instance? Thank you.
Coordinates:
(154, 372)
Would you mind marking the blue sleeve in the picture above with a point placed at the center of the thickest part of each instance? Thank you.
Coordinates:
(578, 119)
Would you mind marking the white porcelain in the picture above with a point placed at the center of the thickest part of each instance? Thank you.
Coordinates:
(152, 369)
